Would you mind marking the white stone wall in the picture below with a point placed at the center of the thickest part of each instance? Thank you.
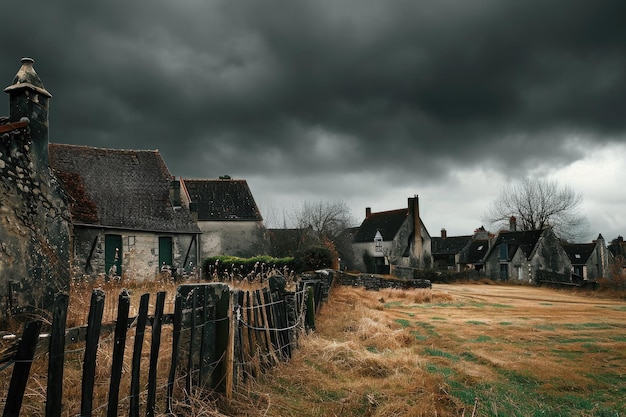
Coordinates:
(236, 238)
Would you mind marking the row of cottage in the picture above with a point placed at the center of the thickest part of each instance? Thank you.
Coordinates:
(397, 241)
(74, 211)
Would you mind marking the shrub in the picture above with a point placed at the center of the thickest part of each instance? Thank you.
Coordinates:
(312, 258)
(234, 267)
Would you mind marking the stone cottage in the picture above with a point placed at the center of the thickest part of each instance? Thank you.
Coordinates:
(527, 256)
(34, 218)
(590, 261)
(228, 217)
(460, 253)
(391, 240)
(129, 217)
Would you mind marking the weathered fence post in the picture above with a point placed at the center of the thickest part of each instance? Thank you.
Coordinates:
(177, 324)
(230, 347)
(142, 318)
(94, 324)
(192, 339)
(157, 323)
(310, 306)
(56, 357)
(119, 344)
(23, 361)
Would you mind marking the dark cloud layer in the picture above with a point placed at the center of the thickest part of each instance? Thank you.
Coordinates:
(414, 88)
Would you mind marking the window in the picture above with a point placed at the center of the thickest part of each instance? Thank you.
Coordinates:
(378, 242)
(504, 251)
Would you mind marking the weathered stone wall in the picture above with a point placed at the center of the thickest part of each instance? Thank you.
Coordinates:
(34, 227)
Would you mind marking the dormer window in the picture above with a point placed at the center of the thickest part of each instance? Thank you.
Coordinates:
(378, 242)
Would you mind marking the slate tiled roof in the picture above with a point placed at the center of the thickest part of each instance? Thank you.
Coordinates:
(579, 253)
(525, 240)
(449, 245)
(127, 189)
(476, 251)
(386, 222)
(223, 199)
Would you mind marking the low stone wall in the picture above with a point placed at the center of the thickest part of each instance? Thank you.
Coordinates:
(402, 272)
(376, 282)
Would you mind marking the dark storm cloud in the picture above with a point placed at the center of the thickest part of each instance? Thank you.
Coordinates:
(271, 86)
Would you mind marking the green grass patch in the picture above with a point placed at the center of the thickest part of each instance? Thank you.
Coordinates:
(568, 354)
(616, 308)
(618, 338)
(477, 323)
(441, 354)
(482, 339)
(595, 348)
(545, 304)
(440, 370)
(550, 327)
(439, 318)
(419, 336)
(392, 304)
(587, 326)
(372, 349)
(403, 322)
(505, 323)
(469, 357)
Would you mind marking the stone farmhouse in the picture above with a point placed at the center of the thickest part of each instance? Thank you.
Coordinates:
(128, 218)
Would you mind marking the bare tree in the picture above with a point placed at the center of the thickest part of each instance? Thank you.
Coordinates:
(326, 220)
(537, 204)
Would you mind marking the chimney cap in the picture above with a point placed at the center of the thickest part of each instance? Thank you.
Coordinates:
(26, 77)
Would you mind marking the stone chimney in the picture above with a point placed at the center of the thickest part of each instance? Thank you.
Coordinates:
(444, 233)
(512, 224)
(29, 98)
(602, 256)
(368, 212)
(414, 212)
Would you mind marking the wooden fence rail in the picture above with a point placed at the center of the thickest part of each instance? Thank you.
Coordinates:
(220, 337)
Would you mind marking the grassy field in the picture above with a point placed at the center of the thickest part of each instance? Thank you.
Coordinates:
(458, 350)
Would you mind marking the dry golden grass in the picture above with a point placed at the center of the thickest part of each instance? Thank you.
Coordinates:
(456, 350)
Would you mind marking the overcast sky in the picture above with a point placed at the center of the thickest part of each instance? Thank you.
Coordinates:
(362, 101)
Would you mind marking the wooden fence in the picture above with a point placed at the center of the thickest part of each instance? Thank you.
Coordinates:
(220, 337)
